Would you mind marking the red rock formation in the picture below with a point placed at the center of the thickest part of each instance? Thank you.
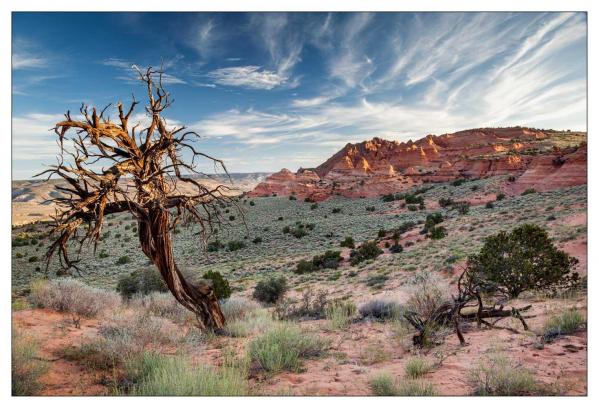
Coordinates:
(379, 166)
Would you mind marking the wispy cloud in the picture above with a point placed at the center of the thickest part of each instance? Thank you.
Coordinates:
(128, 70)
(250, 76)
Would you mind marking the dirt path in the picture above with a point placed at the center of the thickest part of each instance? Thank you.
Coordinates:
(55, 332)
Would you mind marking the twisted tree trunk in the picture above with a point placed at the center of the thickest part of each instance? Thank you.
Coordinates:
(154, 236)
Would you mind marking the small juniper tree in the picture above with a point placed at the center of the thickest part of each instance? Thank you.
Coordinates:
(523, 259)
(111, 167)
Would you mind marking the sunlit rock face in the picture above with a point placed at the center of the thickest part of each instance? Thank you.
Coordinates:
(379, 166)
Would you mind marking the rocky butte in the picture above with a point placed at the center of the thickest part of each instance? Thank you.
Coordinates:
(539, 159)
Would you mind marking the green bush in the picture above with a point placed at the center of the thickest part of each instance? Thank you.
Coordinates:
(220, 285)
(270, 290)
(141, 281)
(328, 260)
(417, 367)
(235, 245)
(567, 322)
(123, 260)
(382, 233)
(462, 207)
(500, 196)
(521, 260)
(257, 240)
(214, 246)
(413, 199)
(458, 182)
(340, 313)
(314, 206)
(381, 309)
(282, 347)
(383, 384)
(33, 259)
(529, 191)
(348, 242)
(437, 232)
(368, 250)
(445, 202)
(152, 374)
(336, 210)
(432, 220)
(304, 266)
(499, 376)
(489, 205)
(27, 368)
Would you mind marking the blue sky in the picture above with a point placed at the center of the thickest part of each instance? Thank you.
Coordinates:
(270, 90)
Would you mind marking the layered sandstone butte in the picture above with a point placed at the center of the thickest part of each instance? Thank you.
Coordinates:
(540, 159)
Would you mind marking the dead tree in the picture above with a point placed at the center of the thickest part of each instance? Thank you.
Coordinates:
(469, 295)
(113, 167)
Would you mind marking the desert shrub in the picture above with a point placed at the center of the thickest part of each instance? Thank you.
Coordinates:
(370, 208)
(348, 242)
(376, 280)
(500, 196)
(437, 232)
(103, 254)
(33, 259)
(368, 250)
(220, 285)
(70, 295)
(270, 289)
(26, 366)
(568, 322)
(252, 203)
(339, 313)
(458, 182)
(162, 305)
(142, 281)
(328, 260)
(462, 207)
(299, 232)
(413, 199)
(412, 207)
(511, 179)
(387, 198)
(314, 206)
(304, 266)
(127, 334)
(396, 248)
(336, 210)
(431, 221)
(311, 305)
(235, 245)
(523, 259)
(125, 259)
(382, 309)
(286, 229)
(489, 205)
(415, 388)
(382, 233)
(445, 202)
(292, 198)
(235, 308)
(417, 367)
(158, 375)
(282, 347)
(214, 246)
(257, 240)
(253, 321)
(529, 191)
(383, 384)
(426, 296)
(497, 375)
(231, 218)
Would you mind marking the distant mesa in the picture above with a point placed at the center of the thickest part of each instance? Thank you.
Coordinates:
(540, 159)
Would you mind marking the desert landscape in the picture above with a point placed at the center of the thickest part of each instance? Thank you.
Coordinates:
(291, 217)
(446, 264)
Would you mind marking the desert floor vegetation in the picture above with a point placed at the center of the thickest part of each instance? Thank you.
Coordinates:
(334, 326)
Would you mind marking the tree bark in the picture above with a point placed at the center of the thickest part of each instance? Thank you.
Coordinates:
(199, 298)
